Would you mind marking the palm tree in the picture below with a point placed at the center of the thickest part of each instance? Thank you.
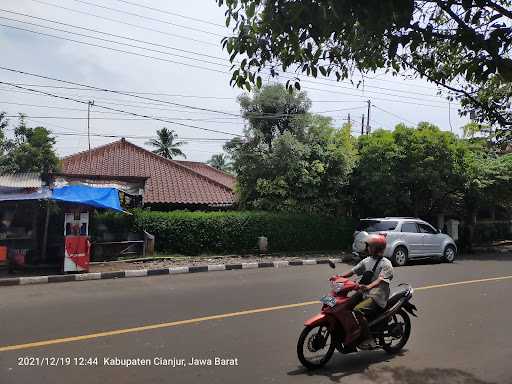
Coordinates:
(220, 161)
(166, 144)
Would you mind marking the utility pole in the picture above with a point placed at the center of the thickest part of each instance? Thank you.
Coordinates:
(368, 129)
(89, 105)
(362, 124)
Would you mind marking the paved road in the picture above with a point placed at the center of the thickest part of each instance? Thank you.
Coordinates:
(462, 335)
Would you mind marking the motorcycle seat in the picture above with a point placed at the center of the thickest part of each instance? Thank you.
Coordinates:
(395, 297)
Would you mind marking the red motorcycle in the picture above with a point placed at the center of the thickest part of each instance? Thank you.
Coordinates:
(336, 326)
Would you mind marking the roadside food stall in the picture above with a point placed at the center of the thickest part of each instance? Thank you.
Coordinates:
(45, 222)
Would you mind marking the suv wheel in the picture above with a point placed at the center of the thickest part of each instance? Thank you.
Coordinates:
(449, 254)
(400, 256)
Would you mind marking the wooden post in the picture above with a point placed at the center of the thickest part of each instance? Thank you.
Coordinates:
(45, 231)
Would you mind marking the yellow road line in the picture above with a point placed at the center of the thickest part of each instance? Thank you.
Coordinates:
(463, 283)
(207, 318)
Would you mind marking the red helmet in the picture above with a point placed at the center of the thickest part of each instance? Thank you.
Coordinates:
(376, 242)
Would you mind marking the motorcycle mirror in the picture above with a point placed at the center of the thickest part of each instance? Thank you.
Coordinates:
(331, 264)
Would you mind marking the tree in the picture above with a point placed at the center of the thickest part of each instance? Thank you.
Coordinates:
(301, 164)
(166, 144)
(31, 150)
(220, 161)
(3, 124)
(272, 110)
(410, 171)
(462, 45)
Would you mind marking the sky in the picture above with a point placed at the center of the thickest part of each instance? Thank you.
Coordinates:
(169, 54)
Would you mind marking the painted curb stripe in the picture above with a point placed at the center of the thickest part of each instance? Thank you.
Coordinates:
(177, 270)
(33, 280)
(137, 273)
(216, 267)
(60, 278)
(88, 276)
(229, 267)
(112, 275)
(156, 272)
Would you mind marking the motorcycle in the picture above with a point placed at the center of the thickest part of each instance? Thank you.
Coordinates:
(337, 327)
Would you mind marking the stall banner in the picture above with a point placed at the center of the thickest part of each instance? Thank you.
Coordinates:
(77, 254)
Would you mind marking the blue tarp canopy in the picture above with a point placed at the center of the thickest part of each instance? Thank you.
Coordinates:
(95, 197)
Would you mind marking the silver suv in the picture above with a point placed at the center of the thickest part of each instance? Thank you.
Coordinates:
(408, 238)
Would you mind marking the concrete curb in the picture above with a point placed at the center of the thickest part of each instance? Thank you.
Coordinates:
(158, 272)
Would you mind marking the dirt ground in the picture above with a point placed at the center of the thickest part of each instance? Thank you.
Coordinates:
(182, 261)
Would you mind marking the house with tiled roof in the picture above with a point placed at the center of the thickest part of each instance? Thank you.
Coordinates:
(170, 184)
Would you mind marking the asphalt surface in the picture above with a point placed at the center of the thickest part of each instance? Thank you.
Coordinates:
(462, 335)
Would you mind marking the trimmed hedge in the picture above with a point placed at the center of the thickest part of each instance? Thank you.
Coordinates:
(193, 233)
(486, 232)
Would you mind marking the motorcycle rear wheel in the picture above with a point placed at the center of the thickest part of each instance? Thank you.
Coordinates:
(399, 321)
(313, 339)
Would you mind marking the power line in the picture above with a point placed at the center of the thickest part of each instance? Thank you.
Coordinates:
(393, 114)
(123, 119)
(337, 85)
(171, 13)
(117, 50)
(120, 110)
(149, 18)
(108, 91)
(188, 38)
(271, 116)
(101, 32)
(214, 70)
(219, 58)
(78, 134)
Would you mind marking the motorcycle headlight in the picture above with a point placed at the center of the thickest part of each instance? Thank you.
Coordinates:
(336, 287)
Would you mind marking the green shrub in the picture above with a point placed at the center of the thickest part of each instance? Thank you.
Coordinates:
(117, 225)
(486, 232)
(193, 233)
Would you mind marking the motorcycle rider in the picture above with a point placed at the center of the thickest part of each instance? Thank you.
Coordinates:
(377, 273)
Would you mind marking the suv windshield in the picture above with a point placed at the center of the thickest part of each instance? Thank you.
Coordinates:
(376, 225)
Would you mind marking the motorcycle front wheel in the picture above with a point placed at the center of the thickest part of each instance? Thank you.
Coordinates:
(315, 346)
(397, 332)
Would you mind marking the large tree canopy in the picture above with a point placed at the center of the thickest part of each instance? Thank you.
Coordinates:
(464, 45)
(30, 150)
(290, 161)
(410, 171)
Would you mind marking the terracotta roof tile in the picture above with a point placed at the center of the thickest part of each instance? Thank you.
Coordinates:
(169, 181)
(210, 172)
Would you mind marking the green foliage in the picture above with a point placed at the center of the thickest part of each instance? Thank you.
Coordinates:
(166, 144)
(31, 150)
(488, 181)
(220, 161)
(410, 171)
(118, 225)
(193, 233)
(293, 161)
(463, 46)
(272, 111)
(485, 233)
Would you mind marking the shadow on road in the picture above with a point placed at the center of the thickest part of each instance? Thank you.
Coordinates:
(344, 366)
